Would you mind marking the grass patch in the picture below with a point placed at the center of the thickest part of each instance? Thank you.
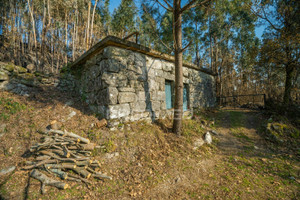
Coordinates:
(239, 133)
(9, 107)
(237, 119)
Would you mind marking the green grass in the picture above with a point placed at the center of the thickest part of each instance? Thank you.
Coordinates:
(9, 107)
(237, 119)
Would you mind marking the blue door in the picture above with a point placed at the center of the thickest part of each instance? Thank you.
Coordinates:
(185, 97)
(168, 91)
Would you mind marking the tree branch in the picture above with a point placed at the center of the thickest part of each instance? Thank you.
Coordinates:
(154, 29)
(169, 8)
(192, 4)
(168, 4)
(187, 46)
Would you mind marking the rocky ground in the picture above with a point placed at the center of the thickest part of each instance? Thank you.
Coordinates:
(146, 161)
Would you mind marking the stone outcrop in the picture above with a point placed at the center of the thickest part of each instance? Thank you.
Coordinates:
(18, 80)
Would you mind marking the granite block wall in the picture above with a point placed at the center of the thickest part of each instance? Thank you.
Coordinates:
(123, 85)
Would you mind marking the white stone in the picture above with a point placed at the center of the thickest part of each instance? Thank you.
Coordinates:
(141, 96)
(208, 138)
(126, 97)
(119, 110)
(139, 106)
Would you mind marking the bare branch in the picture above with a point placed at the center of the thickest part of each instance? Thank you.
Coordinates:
(154, 29)
(169, 8)
(264, 16)
(193, 4)
(187, 46)
(168, 4)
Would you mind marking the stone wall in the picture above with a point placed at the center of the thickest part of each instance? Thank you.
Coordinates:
(123, 85)
(20, 81)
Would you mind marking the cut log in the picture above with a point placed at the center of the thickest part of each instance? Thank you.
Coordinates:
(7, 170)
(98, 175)
(84, 163)
(43, 162)
(86, 147)
(80, 178)
(39, 158)
(60, 166)
(70, 134)
(45, 180)
(61, 153)
(61, 174)
(82, 172)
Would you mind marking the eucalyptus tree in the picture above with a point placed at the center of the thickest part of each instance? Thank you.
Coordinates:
(282, 38)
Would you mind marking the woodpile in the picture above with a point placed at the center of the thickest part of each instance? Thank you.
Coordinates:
(65, 155)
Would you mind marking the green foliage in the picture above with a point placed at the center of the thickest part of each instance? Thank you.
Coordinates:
(124, 18)
(9, 107)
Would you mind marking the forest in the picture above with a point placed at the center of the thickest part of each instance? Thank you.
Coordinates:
(219, 35)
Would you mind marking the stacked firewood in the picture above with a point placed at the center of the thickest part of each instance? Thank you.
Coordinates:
(65, 155)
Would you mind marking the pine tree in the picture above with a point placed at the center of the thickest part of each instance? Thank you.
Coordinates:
(123, 19)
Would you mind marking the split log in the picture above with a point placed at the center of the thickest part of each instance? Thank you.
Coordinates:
(45, 180)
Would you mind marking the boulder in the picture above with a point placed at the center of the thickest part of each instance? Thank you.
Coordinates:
(198, 143)
(19, 70)
(4, 76)
(207, 138)
(31, 68)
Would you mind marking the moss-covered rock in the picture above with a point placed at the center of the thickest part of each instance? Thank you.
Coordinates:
(27, 79)
(9, 67)
(19, 69)
(4, 76)
(278, 132)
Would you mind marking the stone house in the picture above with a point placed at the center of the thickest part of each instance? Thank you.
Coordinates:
(123, 81)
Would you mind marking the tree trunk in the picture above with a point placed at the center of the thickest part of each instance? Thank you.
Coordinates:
(288, 84)
(88, 26)
(177, 28)
(92, 23)
(34, 33)
(66, 37)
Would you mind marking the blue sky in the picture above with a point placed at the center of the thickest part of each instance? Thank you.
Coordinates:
(113, 4)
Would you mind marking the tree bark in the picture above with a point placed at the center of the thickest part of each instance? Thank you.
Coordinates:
(92, 23)
(288, 84)
(33, 29)
(177, 28)
(66, 37)
(88, 26)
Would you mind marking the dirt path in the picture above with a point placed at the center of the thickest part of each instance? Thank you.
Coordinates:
(238, 129)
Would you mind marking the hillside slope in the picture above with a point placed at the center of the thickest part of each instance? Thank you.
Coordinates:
(145, 160)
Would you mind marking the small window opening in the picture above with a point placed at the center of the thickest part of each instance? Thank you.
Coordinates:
(169, 90)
